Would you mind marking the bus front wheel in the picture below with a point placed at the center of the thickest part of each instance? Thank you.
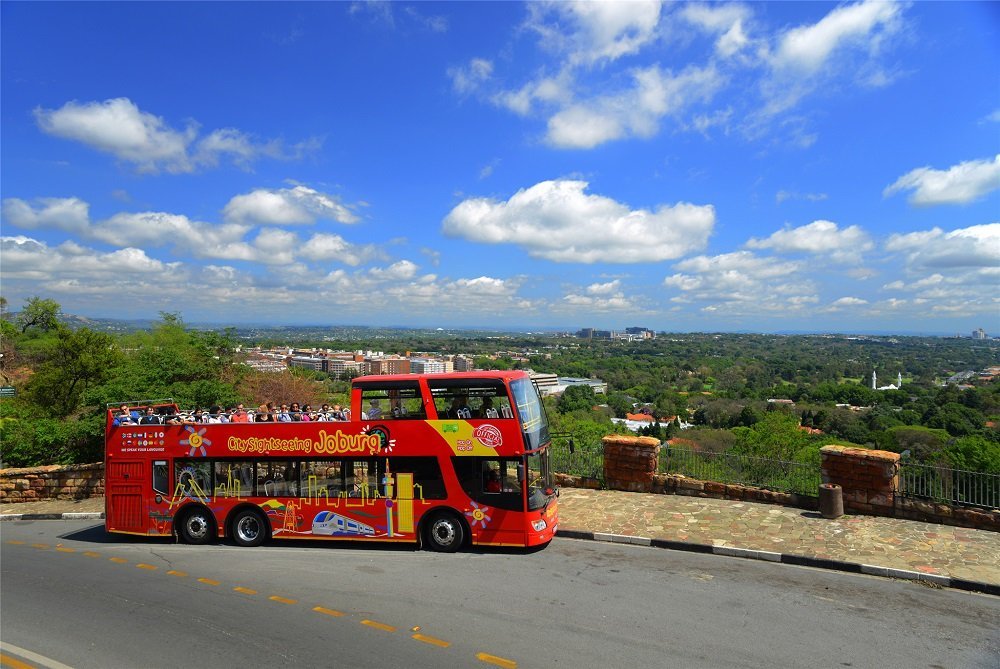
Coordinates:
(249, 528)
(444, 532)
(196, 526)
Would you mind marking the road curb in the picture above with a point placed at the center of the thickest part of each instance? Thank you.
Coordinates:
(786, 558)
(52, 516)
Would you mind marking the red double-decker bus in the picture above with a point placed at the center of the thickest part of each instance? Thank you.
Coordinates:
(446, 460)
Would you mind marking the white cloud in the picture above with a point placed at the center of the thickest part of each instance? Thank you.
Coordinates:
(635, 111)
(286, 206)
(117, 126)
(597, 31)
(156, 229)
(468, 78)
(977, 246)
(808, 48)
(842, 46)
(69, 214)
(741, 283)
(848, 302)
(26, 258)
(783, 195)
(960, 184)
(820, 238)
(727, 21)
(323, 246)
(558, 221)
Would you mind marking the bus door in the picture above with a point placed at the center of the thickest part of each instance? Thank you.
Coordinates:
(126, 481)
(497, 514)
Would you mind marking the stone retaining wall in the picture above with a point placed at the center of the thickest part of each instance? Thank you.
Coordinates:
(33, 484)
(869, 482)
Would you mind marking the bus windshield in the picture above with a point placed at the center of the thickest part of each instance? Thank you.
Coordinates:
(529, 408)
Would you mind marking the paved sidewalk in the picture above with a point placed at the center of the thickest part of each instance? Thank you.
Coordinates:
(889, 543)
(951, 556)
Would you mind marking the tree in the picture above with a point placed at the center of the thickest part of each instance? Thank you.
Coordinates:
(79, 360)
(575, 398)
(39, 313)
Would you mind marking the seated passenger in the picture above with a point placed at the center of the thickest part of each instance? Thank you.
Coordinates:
(374, 410)
(283, 416)
(264, 414)
(337, 413)
(398, 410)
(295, 413)
(123, 417)
(492, 481)
(238, 414)
(150, 418)
(487, 410)
(459, 408)
(307, 413)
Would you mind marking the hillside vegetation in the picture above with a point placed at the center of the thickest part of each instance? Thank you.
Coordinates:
(721, 383)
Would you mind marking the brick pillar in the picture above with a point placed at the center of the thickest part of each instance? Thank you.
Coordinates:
(630, 462)
(869, 479)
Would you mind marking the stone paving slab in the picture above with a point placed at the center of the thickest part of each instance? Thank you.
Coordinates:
(953, 552)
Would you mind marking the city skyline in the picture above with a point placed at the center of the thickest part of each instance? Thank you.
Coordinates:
(770, 167)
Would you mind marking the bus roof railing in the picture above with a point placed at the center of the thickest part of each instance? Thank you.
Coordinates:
(139, 403)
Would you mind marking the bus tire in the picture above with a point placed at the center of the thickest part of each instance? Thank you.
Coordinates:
(444, 532)
(197, 526)
(249, 528)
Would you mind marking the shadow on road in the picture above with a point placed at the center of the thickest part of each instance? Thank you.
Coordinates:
(97, 535)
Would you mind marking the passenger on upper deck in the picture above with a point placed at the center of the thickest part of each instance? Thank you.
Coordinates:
(123, 417)
(459, 408)
(264, 414)
(239, 414)
(374, 410)
(150, 418)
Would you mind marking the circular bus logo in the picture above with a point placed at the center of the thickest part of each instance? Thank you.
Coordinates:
(488, 435)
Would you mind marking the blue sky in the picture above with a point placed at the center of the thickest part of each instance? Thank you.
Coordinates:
(683, 166)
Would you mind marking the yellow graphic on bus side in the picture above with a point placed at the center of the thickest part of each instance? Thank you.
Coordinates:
(460, 436)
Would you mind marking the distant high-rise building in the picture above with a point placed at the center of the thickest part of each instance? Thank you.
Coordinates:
(979, 333)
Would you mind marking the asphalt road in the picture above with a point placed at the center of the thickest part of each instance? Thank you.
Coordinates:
(81, 598)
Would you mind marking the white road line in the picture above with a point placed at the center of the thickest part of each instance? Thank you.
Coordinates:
(46, 662)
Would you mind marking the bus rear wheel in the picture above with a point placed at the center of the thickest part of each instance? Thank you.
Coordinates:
(444, 532)
(249, 528)
(196, 526)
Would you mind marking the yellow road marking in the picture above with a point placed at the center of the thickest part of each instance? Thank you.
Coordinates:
(378, 625)
(329, 612)
(91, 554)
(173, 572)
(8, 661)
(208, 581)
(64, 549)
(17, 542)
(498, 661)
(118, 560)
(275, 598)
(40, 546)
(245, 591)
(151, 567)
(432, 641)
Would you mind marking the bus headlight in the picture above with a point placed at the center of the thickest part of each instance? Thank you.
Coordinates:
(538, 525)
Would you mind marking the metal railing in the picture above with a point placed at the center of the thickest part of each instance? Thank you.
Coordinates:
(586, 460)
(951, 486)
(793, 477)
